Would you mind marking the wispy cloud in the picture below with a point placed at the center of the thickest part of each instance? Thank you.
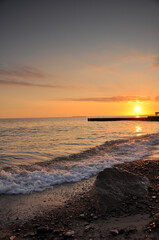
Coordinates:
(97, 67)
(134, 55)
(137, 56)
(23, 72)
(155, 63)
(111, 99)
(26, 84)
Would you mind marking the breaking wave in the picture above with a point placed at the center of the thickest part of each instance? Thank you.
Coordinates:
(76, 167)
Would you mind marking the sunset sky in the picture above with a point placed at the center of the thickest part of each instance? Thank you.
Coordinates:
(78, 57)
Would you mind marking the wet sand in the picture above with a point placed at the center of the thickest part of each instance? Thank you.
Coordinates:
(71, 212)
(21, 208)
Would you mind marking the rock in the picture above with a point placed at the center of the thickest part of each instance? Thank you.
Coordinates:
(114, 232)
(57, 232)
(121, 231)
(70, 234)
(134, 197)
(154, 197)
(42, 230)
(156, 219)
(88, 227)
(12, 237)
(82, 215)
(113, 187)
(31, 234)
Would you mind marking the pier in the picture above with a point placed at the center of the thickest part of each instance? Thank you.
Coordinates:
(147, 118)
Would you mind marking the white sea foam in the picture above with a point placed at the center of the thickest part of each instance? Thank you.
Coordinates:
(23, 181)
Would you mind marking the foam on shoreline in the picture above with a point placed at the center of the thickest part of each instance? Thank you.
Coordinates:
(37, 178)
(21, 208)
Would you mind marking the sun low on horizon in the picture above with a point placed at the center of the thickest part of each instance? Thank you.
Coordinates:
(79, 119)
(79, 58)
(138, 110)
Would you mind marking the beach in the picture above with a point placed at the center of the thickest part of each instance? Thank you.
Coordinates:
(79, 120)
(78, 216)
(48, 172)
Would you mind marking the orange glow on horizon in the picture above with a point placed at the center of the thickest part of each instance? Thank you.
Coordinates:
(14, 108)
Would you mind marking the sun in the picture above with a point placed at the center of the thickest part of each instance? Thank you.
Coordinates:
(137, 109)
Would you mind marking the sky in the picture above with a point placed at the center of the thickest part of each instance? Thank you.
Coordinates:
(78, 58)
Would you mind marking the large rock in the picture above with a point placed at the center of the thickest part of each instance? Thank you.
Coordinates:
(115, 186)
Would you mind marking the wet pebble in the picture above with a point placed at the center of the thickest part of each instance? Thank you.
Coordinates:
(31, 234)
(82, 215)
(88, 227)
(134, 197)
(156, 219)
(42, 230)
(153, 197)
(69, 233)
(12, 237)
(114, 232)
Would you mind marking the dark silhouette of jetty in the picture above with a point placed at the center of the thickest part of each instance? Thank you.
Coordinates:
(137, 118)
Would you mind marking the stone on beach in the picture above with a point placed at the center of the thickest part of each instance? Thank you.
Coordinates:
(114, 186)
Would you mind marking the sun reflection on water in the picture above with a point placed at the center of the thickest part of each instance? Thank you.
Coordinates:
(138, 130)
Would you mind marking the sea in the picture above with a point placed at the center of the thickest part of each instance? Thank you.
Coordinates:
(40, 153)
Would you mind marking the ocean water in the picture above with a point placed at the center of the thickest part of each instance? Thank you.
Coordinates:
(36, 154)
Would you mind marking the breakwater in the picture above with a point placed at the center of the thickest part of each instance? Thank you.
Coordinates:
(147, 118)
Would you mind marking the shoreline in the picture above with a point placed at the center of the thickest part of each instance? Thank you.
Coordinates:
(21, 208)
(78, 216)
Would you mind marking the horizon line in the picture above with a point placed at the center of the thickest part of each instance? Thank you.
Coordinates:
(7, 118)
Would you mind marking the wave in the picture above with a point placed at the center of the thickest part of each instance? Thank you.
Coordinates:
(76, 167)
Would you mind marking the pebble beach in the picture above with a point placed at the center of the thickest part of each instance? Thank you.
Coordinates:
(79, 218)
